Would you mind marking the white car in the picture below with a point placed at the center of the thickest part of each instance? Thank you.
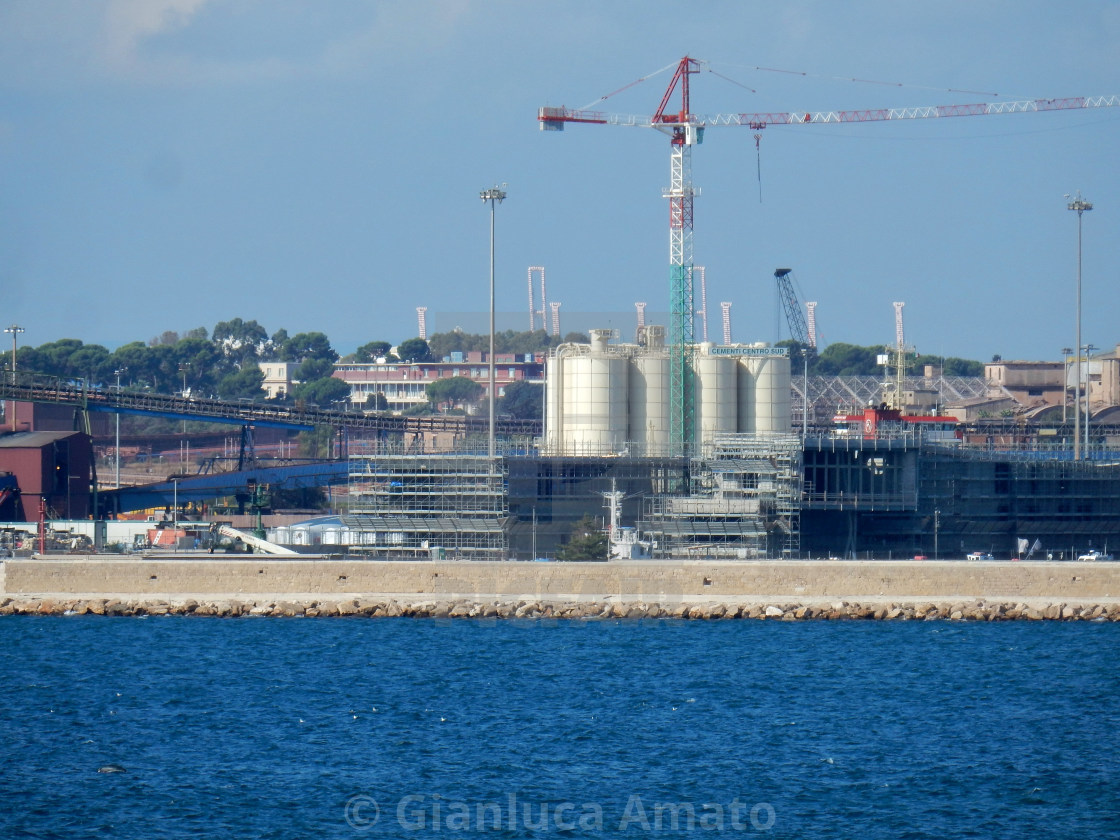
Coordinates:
(1095, 555)
(980, 555)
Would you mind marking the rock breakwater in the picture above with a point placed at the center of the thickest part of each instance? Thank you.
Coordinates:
(590, 610)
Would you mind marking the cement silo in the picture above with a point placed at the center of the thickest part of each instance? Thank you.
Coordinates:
(771, 396)
(593, 399)
(649, 402)
(603, 398)
(649, 393)
(716, 394)
(745, 396)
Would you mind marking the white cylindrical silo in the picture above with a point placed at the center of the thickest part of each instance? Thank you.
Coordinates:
(771, 394)
(649, 402)
(746, 396)
(594, 404)
(716, 396)
(553, 389)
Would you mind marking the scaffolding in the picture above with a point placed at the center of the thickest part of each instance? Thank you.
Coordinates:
(452, 507)
(744, 502)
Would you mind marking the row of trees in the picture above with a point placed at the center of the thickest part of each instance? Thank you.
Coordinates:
(842, 359)
(226, 362)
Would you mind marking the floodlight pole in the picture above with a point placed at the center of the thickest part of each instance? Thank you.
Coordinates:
(805, 394)
(1079, 205)
(15, 330)
(1089, 348)
(494, 195)
(1065, 383)
(117, 471)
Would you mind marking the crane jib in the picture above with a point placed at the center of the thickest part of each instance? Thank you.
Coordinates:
(553, 119)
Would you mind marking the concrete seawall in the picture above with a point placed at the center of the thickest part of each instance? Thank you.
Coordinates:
(184, 582)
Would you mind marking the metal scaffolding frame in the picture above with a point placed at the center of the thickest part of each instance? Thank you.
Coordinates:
(744, 502)
(429, 506)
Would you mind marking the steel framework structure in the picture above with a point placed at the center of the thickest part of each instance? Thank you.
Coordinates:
(744, 502)
(438, 507)
(798, 327)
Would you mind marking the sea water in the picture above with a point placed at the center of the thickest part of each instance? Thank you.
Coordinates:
(187, 727)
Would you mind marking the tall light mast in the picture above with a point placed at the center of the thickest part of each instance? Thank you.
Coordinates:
(15, 330)
(1079, 205)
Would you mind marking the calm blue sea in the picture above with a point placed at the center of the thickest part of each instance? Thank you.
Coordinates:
(347, 728)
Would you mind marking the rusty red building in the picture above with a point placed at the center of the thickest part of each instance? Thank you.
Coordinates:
(56, 467)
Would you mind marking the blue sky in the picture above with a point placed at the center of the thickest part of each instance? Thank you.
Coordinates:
(168, 164)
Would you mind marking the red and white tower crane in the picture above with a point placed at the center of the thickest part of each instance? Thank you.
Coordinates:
(685, 130)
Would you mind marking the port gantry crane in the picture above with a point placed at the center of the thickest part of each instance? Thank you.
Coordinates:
(787, 296)
(685, 130)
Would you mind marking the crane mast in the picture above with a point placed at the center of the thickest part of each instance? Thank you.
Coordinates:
(683, 134)
(703, 310)
(898, 361)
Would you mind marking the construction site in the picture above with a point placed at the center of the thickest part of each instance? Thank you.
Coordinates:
(692, 447)
(681, 446)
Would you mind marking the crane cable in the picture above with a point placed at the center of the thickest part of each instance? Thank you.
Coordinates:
(758, 162)
(607, 96)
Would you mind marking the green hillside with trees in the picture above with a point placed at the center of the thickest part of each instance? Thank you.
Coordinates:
(225, 362)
